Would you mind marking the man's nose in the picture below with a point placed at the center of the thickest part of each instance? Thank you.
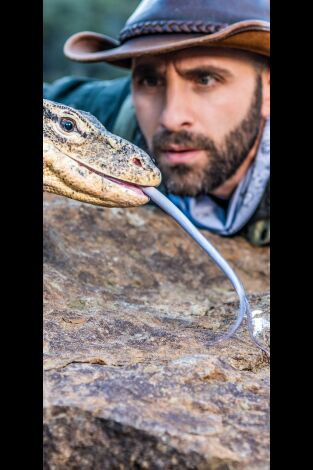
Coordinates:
(177, 110)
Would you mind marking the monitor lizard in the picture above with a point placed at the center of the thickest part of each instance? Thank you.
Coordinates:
(82, 160)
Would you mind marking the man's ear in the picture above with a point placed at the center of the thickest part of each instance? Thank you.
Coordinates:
(266, 100)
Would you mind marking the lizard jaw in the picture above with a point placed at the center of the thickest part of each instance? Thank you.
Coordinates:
(117, 181)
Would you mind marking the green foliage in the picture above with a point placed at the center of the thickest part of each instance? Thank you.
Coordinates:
(65, 17)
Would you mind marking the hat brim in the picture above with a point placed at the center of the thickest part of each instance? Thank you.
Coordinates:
(253, 36)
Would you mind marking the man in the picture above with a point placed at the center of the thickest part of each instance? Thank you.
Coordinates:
(198, 101)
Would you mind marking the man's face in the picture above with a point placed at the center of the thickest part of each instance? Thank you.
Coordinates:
(200, 111)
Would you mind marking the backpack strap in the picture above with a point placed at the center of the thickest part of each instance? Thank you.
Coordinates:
(257, 230)
(258, 233)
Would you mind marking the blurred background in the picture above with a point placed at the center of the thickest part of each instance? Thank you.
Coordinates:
(61, 18)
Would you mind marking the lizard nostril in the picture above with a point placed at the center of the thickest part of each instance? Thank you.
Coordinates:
(137, 162)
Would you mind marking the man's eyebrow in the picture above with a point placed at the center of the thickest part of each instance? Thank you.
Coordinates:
(189, 73)
(202, 70)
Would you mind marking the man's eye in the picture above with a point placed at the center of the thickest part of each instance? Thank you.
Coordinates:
(206, 80)
(68, 125)
(150, 81)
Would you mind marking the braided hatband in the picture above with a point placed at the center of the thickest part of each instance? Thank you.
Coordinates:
(168, 27)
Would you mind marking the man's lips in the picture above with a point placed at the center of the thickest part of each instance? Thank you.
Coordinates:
(180, 154)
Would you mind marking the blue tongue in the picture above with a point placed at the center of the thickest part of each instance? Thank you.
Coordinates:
(164, 203)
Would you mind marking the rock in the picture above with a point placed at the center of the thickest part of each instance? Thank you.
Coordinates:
(130, 382)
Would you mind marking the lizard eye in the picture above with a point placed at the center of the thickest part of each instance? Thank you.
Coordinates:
(67, 124)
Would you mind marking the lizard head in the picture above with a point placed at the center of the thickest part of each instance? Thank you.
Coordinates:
(82, 160)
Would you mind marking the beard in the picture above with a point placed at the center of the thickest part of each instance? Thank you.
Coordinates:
(222, 161)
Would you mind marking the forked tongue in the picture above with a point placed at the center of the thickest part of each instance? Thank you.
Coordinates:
(244, 308)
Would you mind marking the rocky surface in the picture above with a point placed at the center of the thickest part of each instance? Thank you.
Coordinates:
(130, 303)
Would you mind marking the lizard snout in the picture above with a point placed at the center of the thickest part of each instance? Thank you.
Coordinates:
(142, 169)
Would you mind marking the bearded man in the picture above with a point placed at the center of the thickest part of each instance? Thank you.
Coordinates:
(198, 100)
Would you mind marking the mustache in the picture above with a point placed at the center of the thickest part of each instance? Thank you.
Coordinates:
(165, 138)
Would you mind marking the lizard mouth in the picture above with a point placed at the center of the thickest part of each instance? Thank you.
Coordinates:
(117, 181)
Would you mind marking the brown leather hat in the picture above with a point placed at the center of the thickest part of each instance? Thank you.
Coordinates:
(159, 26)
